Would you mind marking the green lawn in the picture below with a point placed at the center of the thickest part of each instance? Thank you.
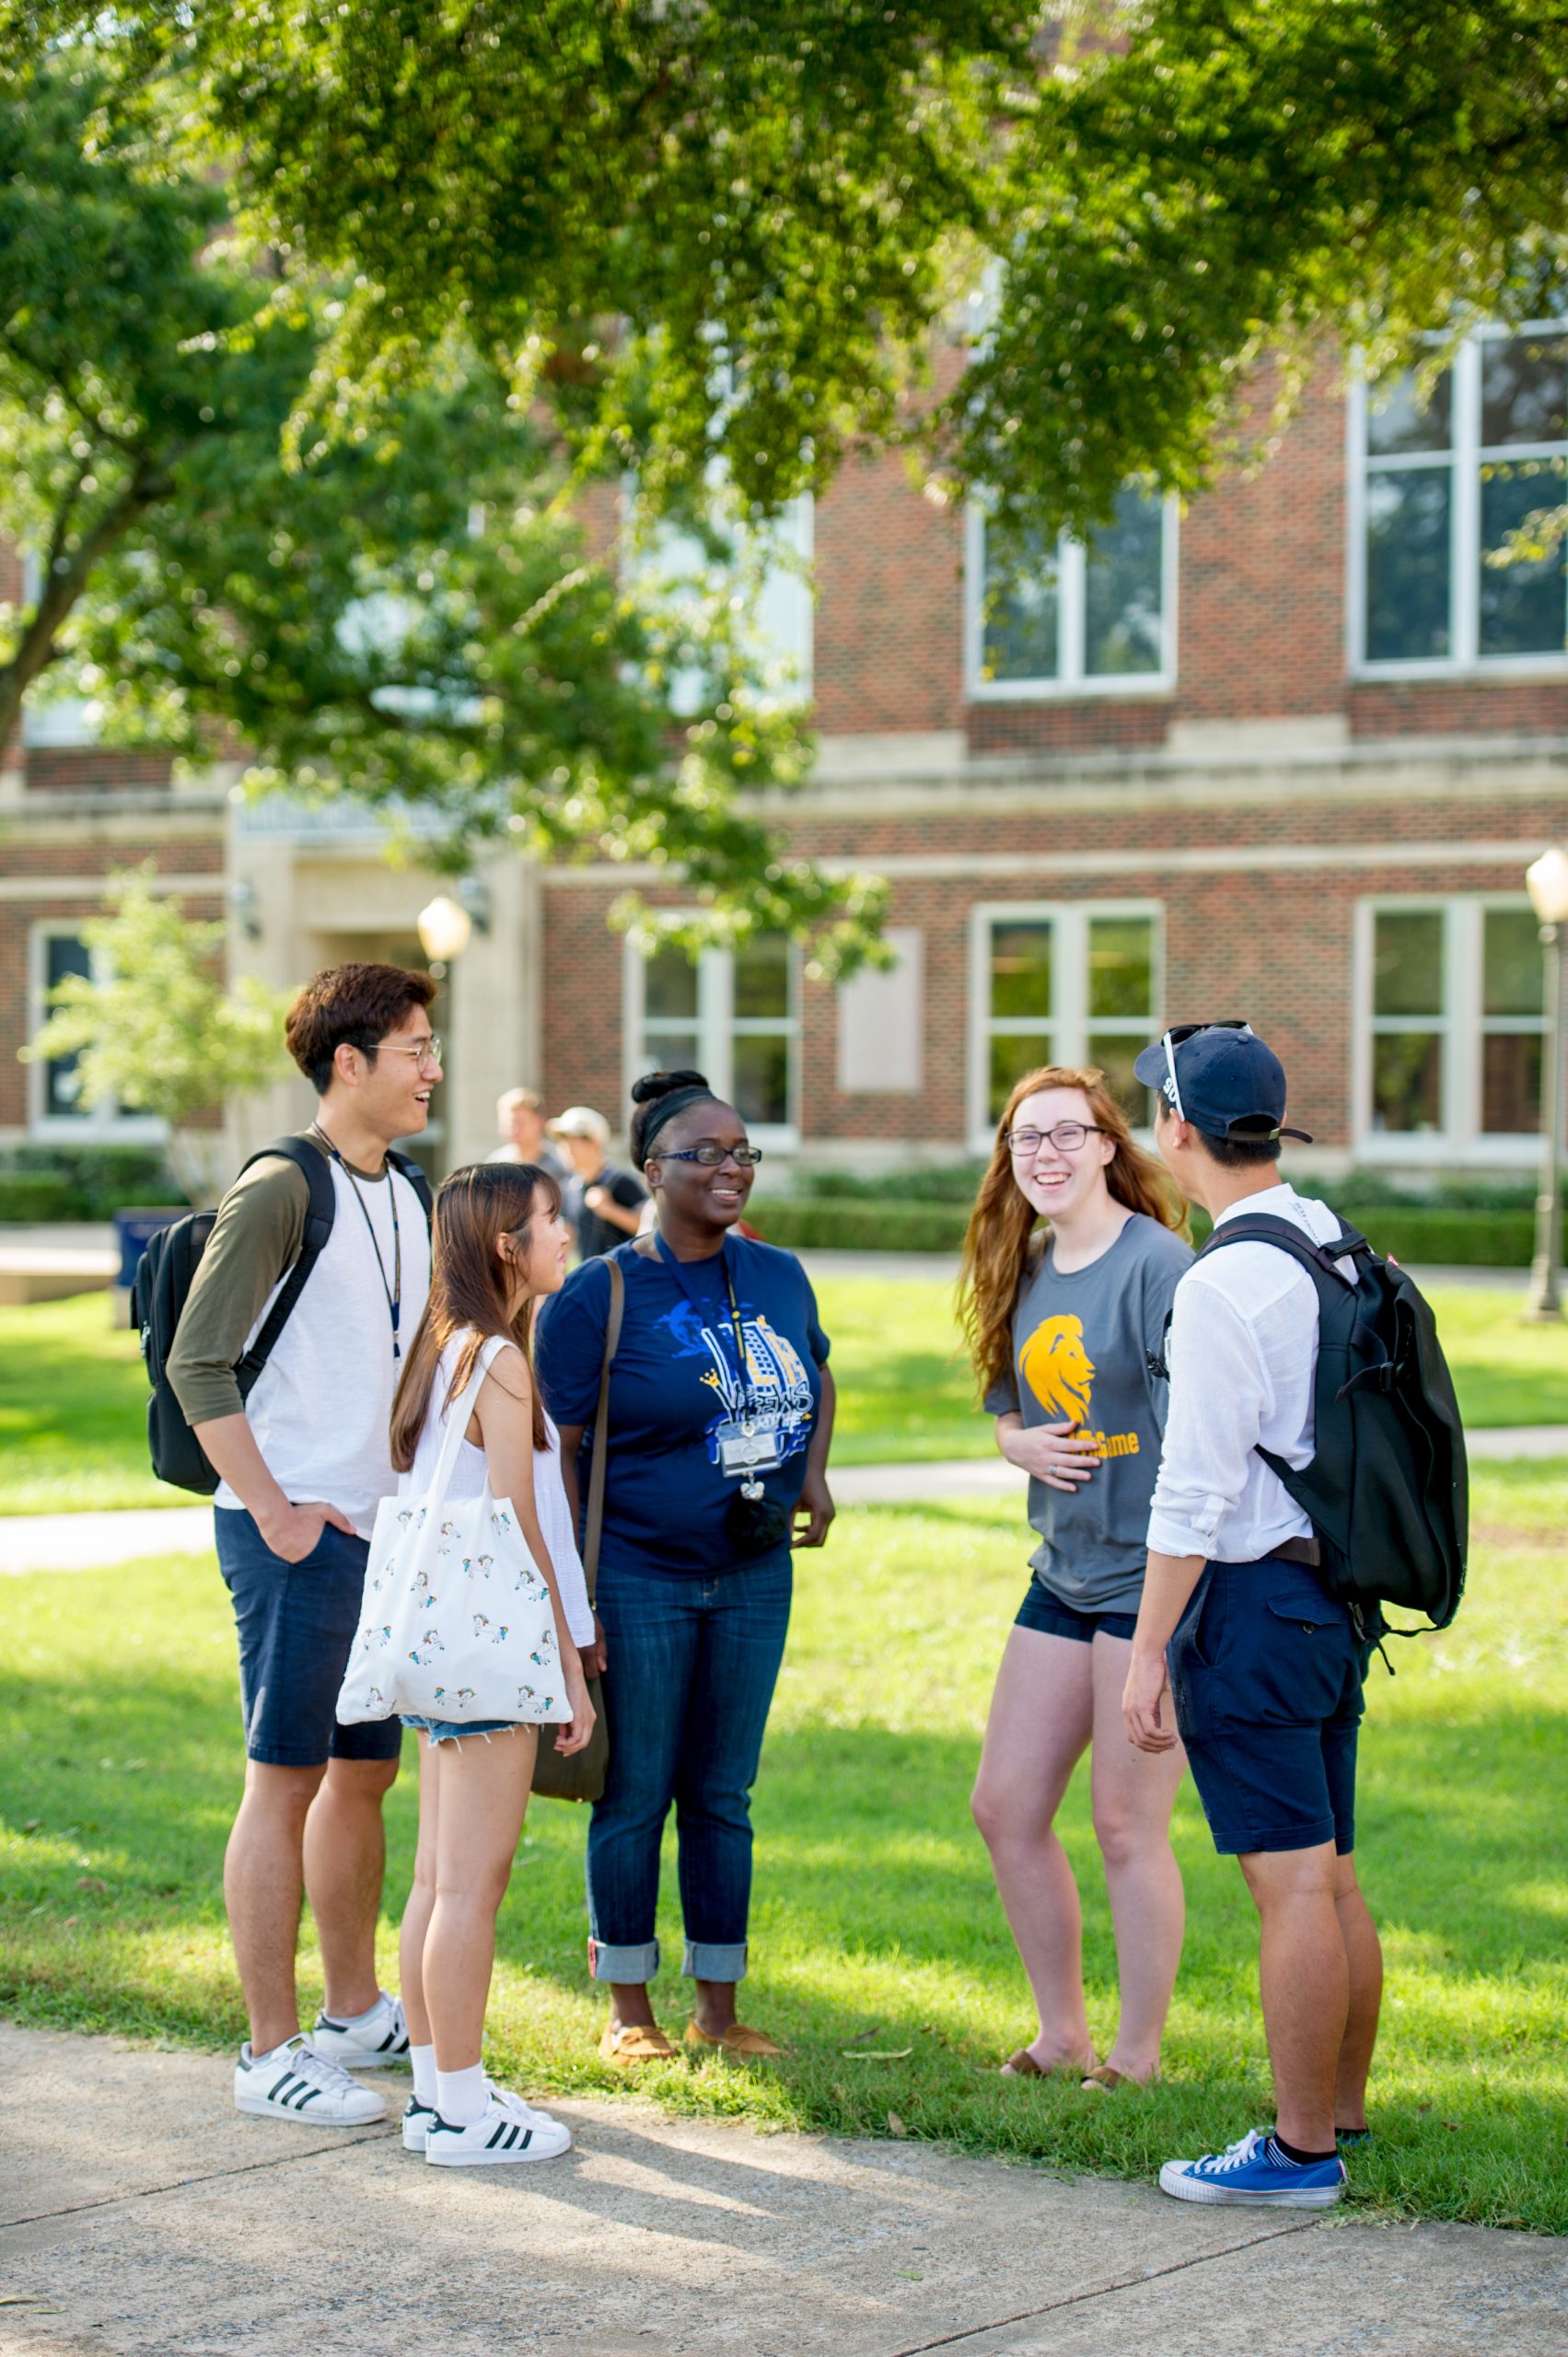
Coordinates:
(876, 1928)
(71, 1393)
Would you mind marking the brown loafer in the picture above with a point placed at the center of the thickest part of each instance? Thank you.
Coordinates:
(741, 2044)
(1023, 2065)
(625, 2044)
(1104, 2081)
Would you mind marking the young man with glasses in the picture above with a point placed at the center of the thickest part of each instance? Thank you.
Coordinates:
(1238, 1646)
(303, 1462)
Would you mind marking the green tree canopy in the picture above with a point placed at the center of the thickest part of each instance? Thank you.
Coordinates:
(411, 614)
(731, 226)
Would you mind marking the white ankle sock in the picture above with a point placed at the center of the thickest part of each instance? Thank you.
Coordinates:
(359, 2021)
(422, 2057)
(461, 2095)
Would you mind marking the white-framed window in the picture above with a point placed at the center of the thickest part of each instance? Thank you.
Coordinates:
(1076, 983)
(731, 1013)
(1074, 618)
(54, 1109)
(1437, 487)
(1452, 1028)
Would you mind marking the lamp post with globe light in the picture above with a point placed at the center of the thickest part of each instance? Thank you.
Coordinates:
(1546, 880)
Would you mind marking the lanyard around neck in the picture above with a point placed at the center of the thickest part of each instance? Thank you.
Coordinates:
(678, 1273)
(394, 1292)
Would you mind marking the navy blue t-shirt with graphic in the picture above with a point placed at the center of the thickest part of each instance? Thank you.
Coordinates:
(675, 1383)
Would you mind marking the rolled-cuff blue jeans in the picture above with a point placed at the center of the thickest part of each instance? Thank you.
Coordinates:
(692, 1663)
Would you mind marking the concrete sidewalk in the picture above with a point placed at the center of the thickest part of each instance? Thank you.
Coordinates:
(86, 1542)
(143, 2217)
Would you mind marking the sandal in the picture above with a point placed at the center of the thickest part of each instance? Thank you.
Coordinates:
(625, 2044)
(1104, 2080)
(1022, 2065)
(744, 2044)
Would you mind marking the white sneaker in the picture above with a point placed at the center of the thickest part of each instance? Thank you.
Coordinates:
(508, 2131)
(297, 2083)
(379, 2044)
(419, 2117)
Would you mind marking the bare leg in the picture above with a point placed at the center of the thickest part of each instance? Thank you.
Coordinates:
(345, 1859)
(483, 1794)
(263, 1881)
(1041, 1718)
(1305, 1978)
(630, 2006)
(1364, 1955)
(1133, 1794)
(714, 2006)
(421, 1897)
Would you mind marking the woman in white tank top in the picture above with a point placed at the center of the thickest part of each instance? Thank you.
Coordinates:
(498, 1244)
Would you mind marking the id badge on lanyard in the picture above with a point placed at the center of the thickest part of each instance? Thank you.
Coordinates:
(748, 1449)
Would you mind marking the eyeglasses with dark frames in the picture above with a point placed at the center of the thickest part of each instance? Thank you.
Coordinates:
(709, 1154)
(1066, 1137)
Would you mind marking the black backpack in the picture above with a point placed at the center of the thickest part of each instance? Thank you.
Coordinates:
(1388, 1488)
(166, 1272)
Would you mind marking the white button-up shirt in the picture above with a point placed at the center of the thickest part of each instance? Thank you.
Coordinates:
(1243, 1359)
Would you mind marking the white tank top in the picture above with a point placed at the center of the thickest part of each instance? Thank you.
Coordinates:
(468, 1482)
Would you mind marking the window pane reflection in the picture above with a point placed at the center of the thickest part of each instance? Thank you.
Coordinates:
(1522, 600)
(1407, 1082)
(1011, 1058)
(1408, 517)
(1114, 1055)
(761, 1078)
(1524, 389)
(761, 976)
(1020, 969)
(1510, 1084)
(669, 986)
(1514, 975)
(1121, 966)
(1121, 590)
(1397, 419)
(1023, 615)
(1407, 962)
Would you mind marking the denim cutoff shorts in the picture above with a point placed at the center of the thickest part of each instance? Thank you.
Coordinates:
(1045, 1612)
(453, 1730)
(1266, 1673)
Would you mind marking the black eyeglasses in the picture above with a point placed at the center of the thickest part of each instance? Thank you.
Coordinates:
(710, 1155)
(1066, 1137)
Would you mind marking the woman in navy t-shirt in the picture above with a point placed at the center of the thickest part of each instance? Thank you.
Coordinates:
(721, 1408)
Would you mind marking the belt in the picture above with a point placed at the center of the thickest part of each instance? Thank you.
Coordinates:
(1299, 1551)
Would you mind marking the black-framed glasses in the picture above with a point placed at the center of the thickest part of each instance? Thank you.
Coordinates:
(1066, 1137)
(1177, 1037)
(709, 1154)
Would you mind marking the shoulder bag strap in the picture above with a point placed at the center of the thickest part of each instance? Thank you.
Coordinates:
(602, 1428)
(458, 1410)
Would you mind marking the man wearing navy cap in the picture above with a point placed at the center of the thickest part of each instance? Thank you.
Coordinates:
(1239, 1644)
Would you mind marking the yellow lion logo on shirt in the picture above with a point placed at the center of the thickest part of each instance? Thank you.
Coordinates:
(1058, 1369)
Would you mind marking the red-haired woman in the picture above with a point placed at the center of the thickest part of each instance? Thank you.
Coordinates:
(1061, 1325)
(499, 1245)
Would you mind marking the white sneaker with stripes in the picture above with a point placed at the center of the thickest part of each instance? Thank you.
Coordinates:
(295, 2083)
(509, 2129)
(380, 2043)
(420, 2117)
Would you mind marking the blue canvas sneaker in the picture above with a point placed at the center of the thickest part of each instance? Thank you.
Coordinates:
(1256, 2171)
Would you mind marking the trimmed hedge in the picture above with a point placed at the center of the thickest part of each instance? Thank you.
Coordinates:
(86, 1182)
(33, 1196)
(1501, 1239)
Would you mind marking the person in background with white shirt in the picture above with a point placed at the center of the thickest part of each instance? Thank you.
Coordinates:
(1238, 1644)
(519, 1116)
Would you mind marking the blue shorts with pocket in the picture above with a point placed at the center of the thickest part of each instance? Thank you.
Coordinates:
(1043, 1611)
(1266, 1673)
(297, 1624)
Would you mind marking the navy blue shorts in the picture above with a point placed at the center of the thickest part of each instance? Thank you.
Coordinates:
(1266, 1672)
(1042, 1611)
(297, 1623)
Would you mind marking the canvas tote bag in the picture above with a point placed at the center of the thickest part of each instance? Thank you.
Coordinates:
(457, 1621)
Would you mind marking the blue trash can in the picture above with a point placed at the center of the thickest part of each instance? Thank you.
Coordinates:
(132, 1232)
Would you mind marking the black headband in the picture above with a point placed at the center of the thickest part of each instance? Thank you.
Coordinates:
(665, 1109)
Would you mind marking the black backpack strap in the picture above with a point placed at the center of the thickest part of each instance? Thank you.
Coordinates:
(1284, 1233)
(409, 1169)
(318, 1218)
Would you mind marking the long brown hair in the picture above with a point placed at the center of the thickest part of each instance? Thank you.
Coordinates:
(474, 1208)
(1000, 1244)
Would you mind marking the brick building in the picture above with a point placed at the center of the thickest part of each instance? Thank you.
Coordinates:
(1286, 754)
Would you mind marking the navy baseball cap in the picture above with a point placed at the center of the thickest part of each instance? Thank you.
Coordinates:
(1222, 1078)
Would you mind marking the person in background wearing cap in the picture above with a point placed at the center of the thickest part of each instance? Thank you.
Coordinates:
(519, 1116)
(1238, 1644)
(603, 1205)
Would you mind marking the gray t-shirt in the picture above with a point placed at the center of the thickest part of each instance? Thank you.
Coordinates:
(1081, 1346)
